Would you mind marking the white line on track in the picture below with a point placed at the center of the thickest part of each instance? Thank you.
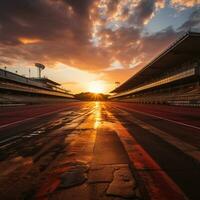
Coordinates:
(170, 120)
(188, 149)
(28, 119)
(158, 184)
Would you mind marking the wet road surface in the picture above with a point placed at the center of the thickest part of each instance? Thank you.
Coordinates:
(93, 150)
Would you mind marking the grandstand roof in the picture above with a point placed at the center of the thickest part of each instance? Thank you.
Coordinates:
(45, 80)
(186, 47)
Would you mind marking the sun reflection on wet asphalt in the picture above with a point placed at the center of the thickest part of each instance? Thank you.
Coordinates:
(62, 156)
(97, 115)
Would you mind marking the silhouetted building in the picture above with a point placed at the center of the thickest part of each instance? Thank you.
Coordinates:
(173, 77)
(16, 88)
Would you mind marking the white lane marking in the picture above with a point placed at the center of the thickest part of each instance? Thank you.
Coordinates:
(9, 139)
(28, 119)
(183, 146)
(170, 120)
(159, 183)
(68, 113)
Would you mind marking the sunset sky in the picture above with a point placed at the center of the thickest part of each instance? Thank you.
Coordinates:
(87, 42)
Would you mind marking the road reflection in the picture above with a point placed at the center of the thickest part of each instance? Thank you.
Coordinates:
(12, 164)
(97, 114)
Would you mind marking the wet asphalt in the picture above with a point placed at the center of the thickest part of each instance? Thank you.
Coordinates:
(29, 143)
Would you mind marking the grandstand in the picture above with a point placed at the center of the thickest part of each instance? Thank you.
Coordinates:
(173, 77)
(18, 89)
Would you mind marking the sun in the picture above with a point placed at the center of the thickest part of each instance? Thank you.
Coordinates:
(96, 87)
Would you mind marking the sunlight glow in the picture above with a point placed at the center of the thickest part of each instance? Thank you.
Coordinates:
(29, 40)
(96, 87)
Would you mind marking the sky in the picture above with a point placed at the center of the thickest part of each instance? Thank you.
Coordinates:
(84, 43)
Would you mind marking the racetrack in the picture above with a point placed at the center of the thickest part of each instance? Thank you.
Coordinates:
(161, 143)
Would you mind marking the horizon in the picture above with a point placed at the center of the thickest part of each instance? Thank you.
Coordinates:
(113, 39)
(100, 99)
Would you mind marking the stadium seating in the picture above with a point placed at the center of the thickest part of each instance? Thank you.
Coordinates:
(185, 96)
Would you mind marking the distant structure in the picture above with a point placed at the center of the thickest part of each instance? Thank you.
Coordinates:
(173, 77)
(40, 68)
(15, 88)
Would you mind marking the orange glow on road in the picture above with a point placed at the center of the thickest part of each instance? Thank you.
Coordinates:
(97, 115)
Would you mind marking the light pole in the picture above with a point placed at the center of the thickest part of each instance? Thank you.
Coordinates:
(29, 73)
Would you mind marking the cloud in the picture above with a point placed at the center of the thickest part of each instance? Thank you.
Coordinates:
(182, 4)
(135, 62)
(86, 34)
(115, 66)
(26, 18)
(193, 23)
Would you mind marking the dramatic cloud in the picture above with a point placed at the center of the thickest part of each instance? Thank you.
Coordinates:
(105, 36)
(193, 23)
(182, 4)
